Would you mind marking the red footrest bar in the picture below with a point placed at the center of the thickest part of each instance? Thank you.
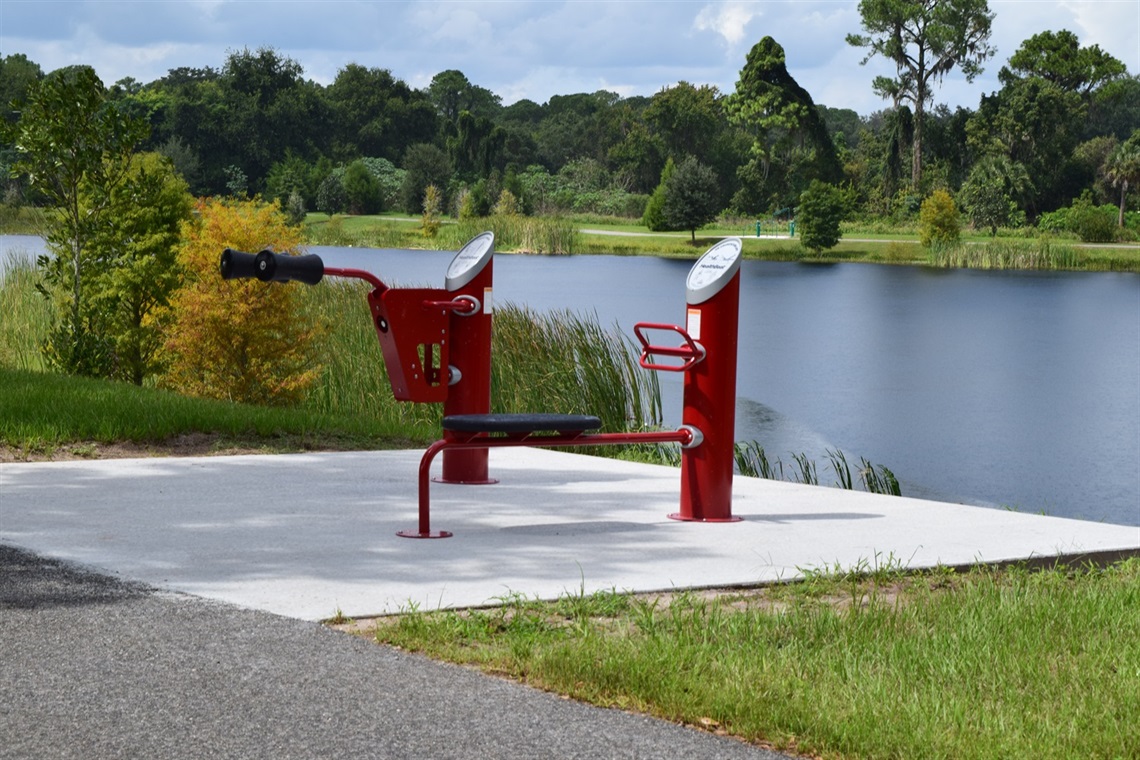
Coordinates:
(479, 431)
(520, 423)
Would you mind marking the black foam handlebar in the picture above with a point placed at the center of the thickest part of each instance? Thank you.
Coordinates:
(237, 265)
(268, 266)
(281, 267)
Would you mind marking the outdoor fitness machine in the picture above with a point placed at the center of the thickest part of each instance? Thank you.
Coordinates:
(437, 348)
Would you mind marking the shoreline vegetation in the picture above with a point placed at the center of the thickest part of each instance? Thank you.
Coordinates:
(1011, 249)
(615, 236)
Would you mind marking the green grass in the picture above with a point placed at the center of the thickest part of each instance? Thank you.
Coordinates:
(990, 663)
(43, 411)
(562, 362)
(25, 316)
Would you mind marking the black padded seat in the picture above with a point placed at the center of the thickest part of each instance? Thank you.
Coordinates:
(520, 423)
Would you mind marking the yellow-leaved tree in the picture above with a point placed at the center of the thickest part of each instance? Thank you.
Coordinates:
(243, 340)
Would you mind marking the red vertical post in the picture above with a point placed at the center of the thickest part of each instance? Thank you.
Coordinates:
(469, 277)
(713, 313)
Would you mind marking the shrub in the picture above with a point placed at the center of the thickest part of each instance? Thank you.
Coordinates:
(330, 195)
(654, 217)
(295, 208)
(507, 205)
(1093, 224)
(938, 220)
(433, 201)
(242, 340)
(361, 189)
(820, 211)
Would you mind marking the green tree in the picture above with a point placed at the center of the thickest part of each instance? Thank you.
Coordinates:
(925, 39)
(424, 164)
(452, 93)
(361, 189)
(389, 178)
(473, 145)
(638, 157)
(1123, 169)
(1041, 113)
(687, 118)
(17, 76)
(1059, 58)
(258, 111)
(692, 196)
(330, 193)
(579, 126)
(989, 193)
(654, 216)
(507, 205)
(790, 141)
(375, 114)
(820, 211)
(938, 220)
(1092, 223)
(76, 147)
(137, 245)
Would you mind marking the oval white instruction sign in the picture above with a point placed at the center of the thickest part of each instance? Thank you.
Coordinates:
(713, 270)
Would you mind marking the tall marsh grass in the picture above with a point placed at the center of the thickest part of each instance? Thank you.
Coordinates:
(524, 234)
(1042, 253)
(25, 315)
(752, 461)
(562, 362)
(559, 362)
(353, 378)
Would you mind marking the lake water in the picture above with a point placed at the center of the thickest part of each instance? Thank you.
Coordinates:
(1002, 389)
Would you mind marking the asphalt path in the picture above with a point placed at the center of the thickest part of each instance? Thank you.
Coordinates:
(96, 667)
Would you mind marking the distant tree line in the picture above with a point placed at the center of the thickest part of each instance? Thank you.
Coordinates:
(1062, 128)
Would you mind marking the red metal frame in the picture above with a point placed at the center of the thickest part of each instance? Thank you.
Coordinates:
(710, 406)
(425, 333)
(470, 391)
(412, 325)
(455, 441)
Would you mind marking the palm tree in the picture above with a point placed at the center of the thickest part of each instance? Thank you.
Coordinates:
(1123, 169)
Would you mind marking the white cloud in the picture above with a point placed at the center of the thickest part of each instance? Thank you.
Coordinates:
(527, 48)
(1114, 25)
(729, 20)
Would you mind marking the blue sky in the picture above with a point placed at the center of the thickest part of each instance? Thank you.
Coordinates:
(527, 48)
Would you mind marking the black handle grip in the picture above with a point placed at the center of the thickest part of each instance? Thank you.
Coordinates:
(237, 265)
(281, 267)
(268, 266)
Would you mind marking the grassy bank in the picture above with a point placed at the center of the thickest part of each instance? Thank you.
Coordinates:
(992, 663)
(592, 235)
(562, 362)
(41, 412)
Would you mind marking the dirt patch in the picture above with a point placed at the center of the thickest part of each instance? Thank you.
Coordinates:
(189, 445)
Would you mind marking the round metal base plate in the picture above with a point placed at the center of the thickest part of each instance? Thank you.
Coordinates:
(417, 534)
(487, 482)
(686, 518)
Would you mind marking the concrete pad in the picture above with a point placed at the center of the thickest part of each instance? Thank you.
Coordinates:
(307, 535)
